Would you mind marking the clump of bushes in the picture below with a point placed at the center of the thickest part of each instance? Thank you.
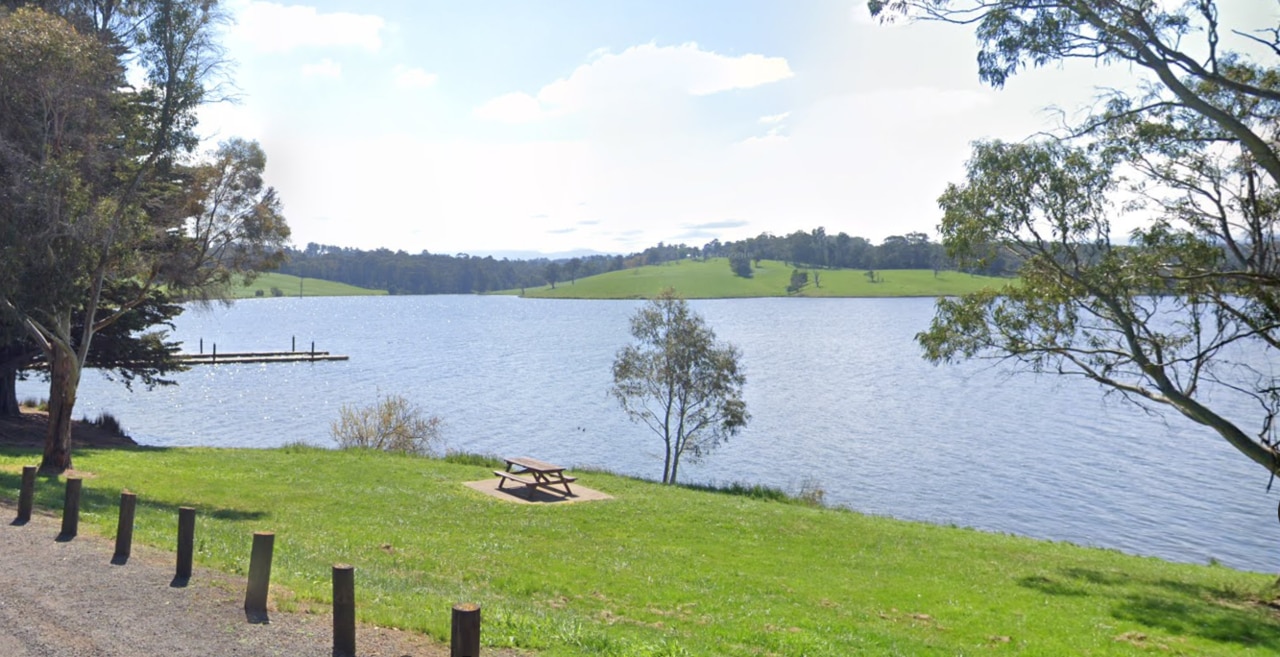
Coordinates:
(392, 424)
(812, 492)
(809, 493)
(107, 422)
(471, 458)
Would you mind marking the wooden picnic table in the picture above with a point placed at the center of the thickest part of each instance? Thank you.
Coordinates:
(540, 475)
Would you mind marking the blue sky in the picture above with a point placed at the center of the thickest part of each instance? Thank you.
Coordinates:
(506, 126)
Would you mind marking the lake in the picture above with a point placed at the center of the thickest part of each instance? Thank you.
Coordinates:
(839, 395)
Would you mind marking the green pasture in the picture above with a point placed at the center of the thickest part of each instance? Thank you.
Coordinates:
(712, 279)
(659, 570)
(289, 287)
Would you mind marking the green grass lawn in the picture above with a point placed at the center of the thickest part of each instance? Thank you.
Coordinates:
(659, 570)
(694, 279)
(288, 286)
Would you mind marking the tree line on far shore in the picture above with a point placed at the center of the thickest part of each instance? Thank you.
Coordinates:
(400, 272)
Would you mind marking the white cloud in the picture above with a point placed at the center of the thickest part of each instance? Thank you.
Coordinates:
(274, 28)
(220, 121)
(644, 76)
(514, 107)
(775, 123)
(413, 78)
(325, 68)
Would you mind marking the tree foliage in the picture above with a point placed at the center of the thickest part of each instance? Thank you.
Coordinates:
(679, 381)
(102, 204)
(1181, 313)
(740, 263)
(799, 279)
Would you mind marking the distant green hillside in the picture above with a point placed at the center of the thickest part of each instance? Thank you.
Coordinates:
(713, 279)
(288, 287)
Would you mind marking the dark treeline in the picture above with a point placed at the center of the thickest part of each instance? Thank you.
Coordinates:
(399, 272)
(430, 273)
(816, 249)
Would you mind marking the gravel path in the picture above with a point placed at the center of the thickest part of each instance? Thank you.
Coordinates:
(66, 599)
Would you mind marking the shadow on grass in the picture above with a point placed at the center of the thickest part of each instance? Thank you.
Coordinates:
(1181, 608)
(1051, 586)
(50, 494)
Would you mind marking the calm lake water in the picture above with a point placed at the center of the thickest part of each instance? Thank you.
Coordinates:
(839, 396)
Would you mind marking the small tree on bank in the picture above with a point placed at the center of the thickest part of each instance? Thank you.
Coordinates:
(679, 381)
(1183, 311)
(393, 424)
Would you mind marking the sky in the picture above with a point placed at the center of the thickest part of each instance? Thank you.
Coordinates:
(511, 127)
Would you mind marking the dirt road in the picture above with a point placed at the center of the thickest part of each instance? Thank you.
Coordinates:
(66, 599)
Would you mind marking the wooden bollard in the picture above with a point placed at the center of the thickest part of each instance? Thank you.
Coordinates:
(186, 540)
(344, 610)
(71, 509)
(466, 630)
(124, 527)
(255, 597)
(27, 494)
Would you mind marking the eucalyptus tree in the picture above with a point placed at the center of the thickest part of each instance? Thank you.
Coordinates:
(98, 194)
(1182, 312)
(679, 381)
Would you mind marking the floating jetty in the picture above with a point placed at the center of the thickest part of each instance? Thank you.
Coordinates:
(230, 357)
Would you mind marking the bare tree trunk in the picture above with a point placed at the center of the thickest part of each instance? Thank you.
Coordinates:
(666, 464)
(9, 391)
(64, 381)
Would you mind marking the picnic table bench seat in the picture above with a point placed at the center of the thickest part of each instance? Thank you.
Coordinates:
(529, 482)
(536, 481)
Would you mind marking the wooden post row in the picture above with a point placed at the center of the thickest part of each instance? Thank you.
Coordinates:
(255, 597)
(124, 527)
(466, 630)
(344, 611)
(71, 509)
(27, 494)
(186, 540)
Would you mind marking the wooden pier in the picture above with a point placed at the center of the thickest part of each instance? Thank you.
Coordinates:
(231, 357)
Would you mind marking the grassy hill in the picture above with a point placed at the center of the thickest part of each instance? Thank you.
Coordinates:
(288, 286)
(658, 570)
(712, 279)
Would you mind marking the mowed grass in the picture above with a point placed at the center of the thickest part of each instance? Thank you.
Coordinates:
(659, 570)
(712, 279)
(288, 285)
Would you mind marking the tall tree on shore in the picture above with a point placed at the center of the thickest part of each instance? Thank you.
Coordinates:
(95, 194)
(679, 381)
(134, 349)
(1185, 316)
(552, 273)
